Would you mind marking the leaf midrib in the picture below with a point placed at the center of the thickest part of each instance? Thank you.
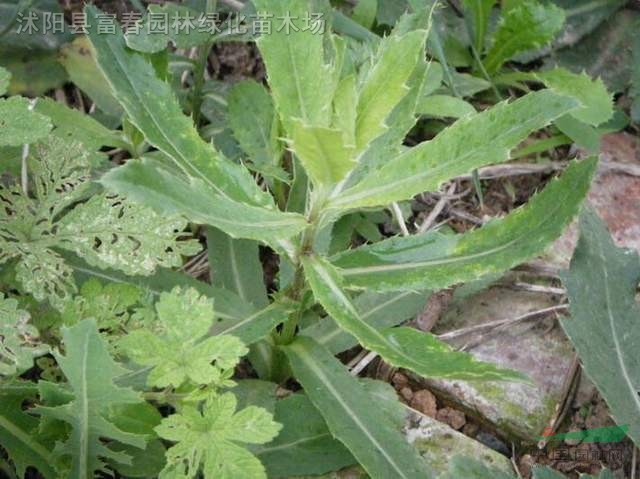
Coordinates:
(351, 413)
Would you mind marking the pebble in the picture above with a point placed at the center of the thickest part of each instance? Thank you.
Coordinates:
(425, 402)
(452, 417)
(406, 393)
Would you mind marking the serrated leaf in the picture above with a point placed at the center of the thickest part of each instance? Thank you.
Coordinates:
(435, 260)
(479, 12)
(295, 60)
(187, 29)
(603, 327)
(178, 346)
(208, 440)
(253, 120)
(402, 347)
(305, 446)
(90, 371)
(110, 231)
(19, 124)
(469, 143)
(18, 431)
(155, 111)
(371, 437)
(396, 59)
(596, 102)
(145, 181)
(322, 152)
(380, 310)
(19, 341)
(530, 24)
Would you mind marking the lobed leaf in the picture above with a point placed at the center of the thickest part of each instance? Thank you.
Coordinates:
(178, 347)
(402, 347)
(529, 24)
(91, 372)
(208, 440)
(19, 431)
(112, 232)
(435, 260)
(479, 12)
(19, 341)
(469, 143)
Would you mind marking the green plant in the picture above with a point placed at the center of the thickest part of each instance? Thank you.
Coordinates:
(327, 145)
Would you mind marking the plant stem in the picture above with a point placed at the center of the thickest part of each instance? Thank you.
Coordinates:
(198, 81)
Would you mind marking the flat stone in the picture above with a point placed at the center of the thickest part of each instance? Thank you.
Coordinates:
(437, 444)
(537, 348)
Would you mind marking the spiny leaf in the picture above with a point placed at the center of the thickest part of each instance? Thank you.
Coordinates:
(19, 342)
(604, 323)
(386, 83)
(91, 372)
(371, 437)
(187, 30)
(296, 68)
(469, 143)
(208, 440)
(177, 345)
(20, 125)
(154, 110)
(402, 347)
(435, 260)
(596, 101)
(322, 152)
(19, 431)
(530, 24)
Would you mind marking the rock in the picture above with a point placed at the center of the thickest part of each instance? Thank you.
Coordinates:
(406, 393)
(452, 417)
(525, 464)
(470, 429)
(425, 402)
(399, 381)
(518, 411)
(437, 442)
(492, 442)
